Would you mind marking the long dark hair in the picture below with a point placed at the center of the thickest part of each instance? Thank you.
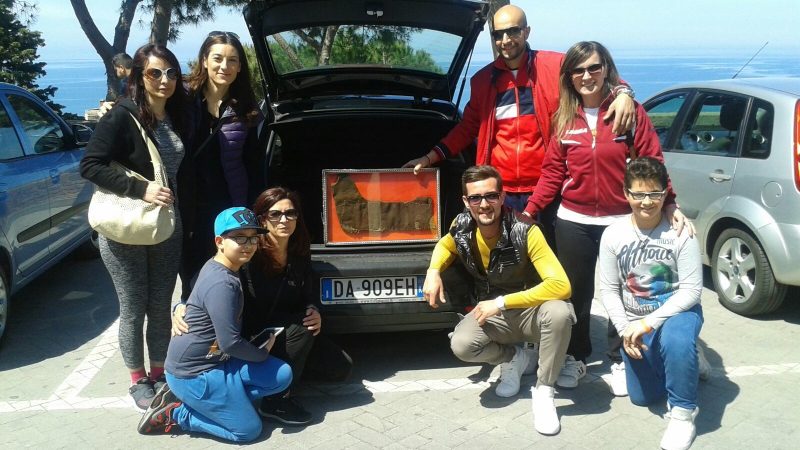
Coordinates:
(240, 93)
(299, 241)
(138, 94)
(569, 99)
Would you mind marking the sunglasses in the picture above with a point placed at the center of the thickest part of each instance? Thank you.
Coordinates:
(579, 71)
(513, 32)
(491, 198)
(241, 240)
(273, 215)
(223, 33)
(155, 74)
(656, 195)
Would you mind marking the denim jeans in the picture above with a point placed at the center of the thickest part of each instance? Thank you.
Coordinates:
(669, 365)
(220, 401)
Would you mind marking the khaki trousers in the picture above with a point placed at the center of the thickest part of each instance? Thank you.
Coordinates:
(549, 324)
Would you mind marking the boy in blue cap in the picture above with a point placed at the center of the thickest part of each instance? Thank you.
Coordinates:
(213, 375)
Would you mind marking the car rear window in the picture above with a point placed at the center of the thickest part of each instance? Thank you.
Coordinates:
(360, 45)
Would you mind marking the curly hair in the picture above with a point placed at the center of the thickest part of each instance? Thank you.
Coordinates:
(646, 168)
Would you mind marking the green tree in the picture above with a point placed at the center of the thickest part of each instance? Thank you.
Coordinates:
(18, 54)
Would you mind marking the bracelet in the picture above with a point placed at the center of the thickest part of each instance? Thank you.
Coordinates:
(647, 328)
(428, 158)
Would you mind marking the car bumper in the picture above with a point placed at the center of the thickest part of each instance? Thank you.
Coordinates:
(390, 315)
(781, 241)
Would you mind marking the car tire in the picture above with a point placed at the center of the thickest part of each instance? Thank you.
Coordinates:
(91, 248)
(742, 275)
(5, 295)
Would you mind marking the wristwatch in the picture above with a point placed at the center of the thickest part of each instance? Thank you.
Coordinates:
(623, 89)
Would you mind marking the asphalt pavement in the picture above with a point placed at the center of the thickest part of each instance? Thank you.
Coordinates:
(63, 385)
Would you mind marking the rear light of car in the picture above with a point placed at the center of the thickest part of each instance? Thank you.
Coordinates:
(797, 145)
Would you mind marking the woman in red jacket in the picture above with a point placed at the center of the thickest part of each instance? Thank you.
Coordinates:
(585, 161)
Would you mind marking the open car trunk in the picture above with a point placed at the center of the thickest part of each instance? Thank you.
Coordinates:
(302, 147)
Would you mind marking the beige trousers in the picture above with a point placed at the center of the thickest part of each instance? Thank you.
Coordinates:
(549, 324)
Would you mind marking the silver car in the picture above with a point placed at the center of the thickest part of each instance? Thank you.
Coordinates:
(732, 148)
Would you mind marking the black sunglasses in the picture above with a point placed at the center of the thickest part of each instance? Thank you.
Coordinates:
(230, 34)
(512, 32)
(476, 199)
(156, 74)
(579, 71)
(273, 215)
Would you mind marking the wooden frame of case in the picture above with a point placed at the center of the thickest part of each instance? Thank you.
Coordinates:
(378, 199)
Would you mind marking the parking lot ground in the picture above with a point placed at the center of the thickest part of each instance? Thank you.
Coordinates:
(63, 385)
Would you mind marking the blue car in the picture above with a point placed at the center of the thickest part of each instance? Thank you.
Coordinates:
(43, 199)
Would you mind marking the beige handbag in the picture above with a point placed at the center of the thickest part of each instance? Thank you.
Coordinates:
(130, 220)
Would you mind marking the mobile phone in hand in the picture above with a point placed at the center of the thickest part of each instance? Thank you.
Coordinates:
(260, 340)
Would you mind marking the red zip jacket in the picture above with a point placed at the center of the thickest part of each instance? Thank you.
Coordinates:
(520, 165)
(590, 171)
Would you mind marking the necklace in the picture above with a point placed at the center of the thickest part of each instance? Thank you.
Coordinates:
(643, 237)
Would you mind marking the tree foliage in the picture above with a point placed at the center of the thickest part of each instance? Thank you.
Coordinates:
(19, 53)
(348, 44)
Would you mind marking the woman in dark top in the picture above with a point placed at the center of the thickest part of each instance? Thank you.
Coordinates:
(143, 275)
(278, 292)
(224, 114)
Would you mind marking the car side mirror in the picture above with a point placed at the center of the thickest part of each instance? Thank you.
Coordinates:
(82, 133)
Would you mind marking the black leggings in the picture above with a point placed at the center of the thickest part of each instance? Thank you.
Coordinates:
(578, 249)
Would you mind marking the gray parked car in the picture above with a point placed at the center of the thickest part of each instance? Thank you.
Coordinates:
(732, 148)
(43, 199)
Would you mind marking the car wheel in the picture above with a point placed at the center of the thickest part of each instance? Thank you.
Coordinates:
(5, 293)
(742, 275)
(91, 248)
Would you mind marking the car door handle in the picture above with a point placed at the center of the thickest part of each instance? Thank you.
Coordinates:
(54, 174)
(718, 176)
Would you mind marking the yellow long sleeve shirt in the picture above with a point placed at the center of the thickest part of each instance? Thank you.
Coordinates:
(554, 286)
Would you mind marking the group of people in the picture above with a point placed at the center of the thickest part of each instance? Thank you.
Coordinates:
(570, 172)
(205, 127)
(547, 149)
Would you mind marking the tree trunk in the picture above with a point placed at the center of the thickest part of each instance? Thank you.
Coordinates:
(327, 44)
(494, 5)
(162, 14)
(105, 50)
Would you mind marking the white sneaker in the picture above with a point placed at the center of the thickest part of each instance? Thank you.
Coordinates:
(618, 383)
(680, 430)
(510, 373)
(703, 367)
(571, 372)
(545, 418)
(533, 357)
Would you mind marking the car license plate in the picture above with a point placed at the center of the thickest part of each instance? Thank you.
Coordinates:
(372, 290)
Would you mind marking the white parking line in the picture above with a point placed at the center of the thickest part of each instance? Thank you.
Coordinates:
(67, 395)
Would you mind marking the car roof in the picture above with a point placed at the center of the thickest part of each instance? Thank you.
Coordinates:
(751, 86)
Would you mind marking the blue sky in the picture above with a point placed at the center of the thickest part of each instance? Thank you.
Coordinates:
(628, 27)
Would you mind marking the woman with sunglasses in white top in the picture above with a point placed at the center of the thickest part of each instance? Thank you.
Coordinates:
(144, 275)
(585, 163)
(224, 114)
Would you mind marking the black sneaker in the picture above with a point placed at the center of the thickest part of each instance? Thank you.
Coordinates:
(159, 383)
(142, 392)
(285, 410)
(158, 417)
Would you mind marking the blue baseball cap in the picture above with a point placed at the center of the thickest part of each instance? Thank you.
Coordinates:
(237, 218)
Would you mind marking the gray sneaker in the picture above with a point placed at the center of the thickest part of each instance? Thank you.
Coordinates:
(142, 392)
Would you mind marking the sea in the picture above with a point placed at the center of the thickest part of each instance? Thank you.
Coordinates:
(82, 83)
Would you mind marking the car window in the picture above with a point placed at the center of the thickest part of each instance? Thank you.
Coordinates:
(354, 45)
(714, 125)
(663, 112)
(42, 130)
(9, 142)
(759, 131)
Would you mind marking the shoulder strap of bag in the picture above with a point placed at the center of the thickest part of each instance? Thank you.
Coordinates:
(155, 157)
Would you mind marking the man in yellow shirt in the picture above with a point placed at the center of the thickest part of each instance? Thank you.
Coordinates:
(521, 288)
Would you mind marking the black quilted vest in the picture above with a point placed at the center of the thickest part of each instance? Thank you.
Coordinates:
(510, 269)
